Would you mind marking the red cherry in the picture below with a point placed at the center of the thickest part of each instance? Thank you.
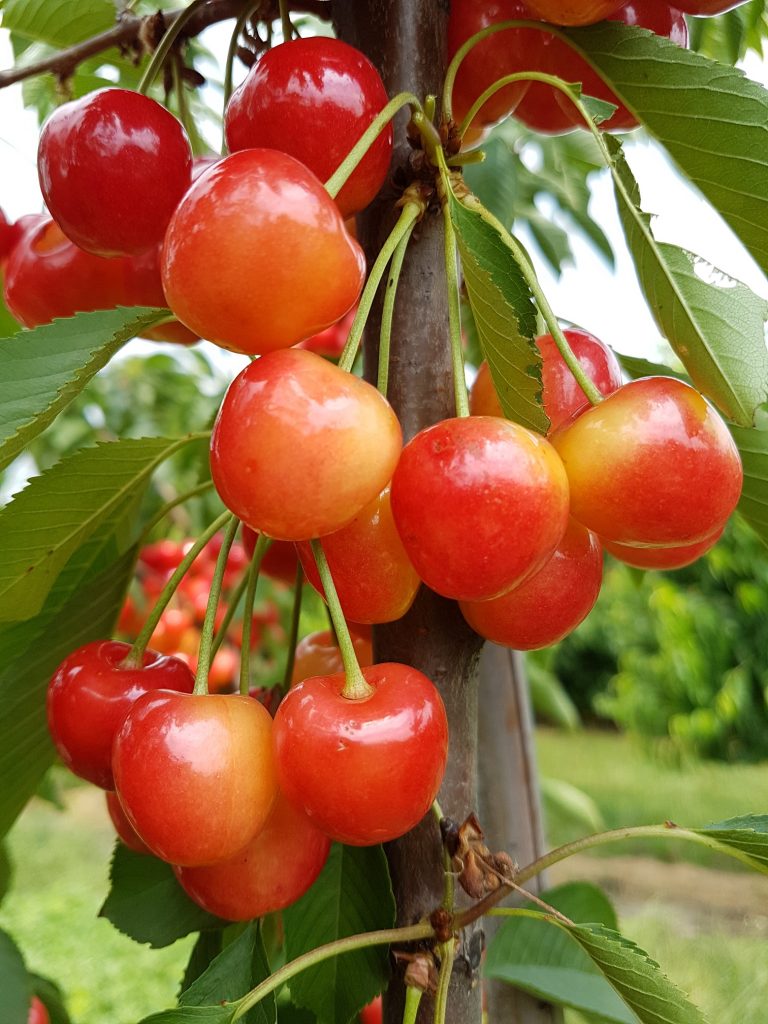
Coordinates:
(277, 867)
(373, 575)
(173, 624)
(548, 605)
(314, 98)
(373, 1012)
(225, 670)
(573, 12)
(662, 558)
(539, 109)
(131, 619)
(8, 236)
(195, 774)
(163, 556)
(280, 561)
(113, 166)
(331, 341)
(125, 830)
(480, 503)
(299, 446)
(37, 1012)
(89, 696)
(287, 266)
(144, 287)
(364, 771)
(318, 654)
(652, 465)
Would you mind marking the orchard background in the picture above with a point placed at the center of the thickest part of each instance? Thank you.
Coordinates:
(675, 661)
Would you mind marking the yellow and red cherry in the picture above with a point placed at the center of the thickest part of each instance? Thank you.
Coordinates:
(280, 560)
(662, 558)
(573, 12)
(318, 654)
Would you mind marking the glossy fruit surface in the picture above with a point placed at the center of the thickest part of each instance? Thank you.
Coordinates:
(37, 1012)
(479, 503)
(574, 12)
(195, 774)
(144, 287)
(662, 558)
(299, 447)
(318, 654)
(123, 827)
(707, 7)
(548, 605)
(314, 98)
(364, 771)
(276, 867)
(113, 166)
(286, 267)
(89, 696)
(372, 573)
(653, 464)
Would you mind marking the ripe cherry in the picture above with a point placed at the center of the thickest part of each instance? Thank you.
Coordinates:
(480, 503)
(573, 12)
(89, 696)
(373, 575)
(318, 654)
(653, 465)
(287, 268)
(125, 830)
(548, 605)
(38, 1014)
(328, 92)
(144, 287)
(195, 774)
(364, 771)
(331, 341)
(300, 447)
(272, 872)
(662, 558)
(373, 1012)
(113, 166)
(280, 560)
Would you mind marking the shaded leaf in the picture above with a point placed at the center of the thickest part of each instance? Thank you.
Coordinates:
(192, 1015)
(747, 835)
(753, 504)
(235, 971)
(207, 947)
(57, 22)
(15, 987)
(50, 994)
(635, 366)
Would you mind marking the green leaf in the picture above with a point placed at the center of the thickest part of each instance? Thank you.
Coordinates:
(59, 510)
(8, 324)
(15, 988)
(710, 118)
(748, 835)
(753, 504)
(192, 1015)
(234, 972)
(44, 369)
(532, 955)
(636, 367)
(6, 871)
(502, 305)
(207, 947)
(57, 22)
(353, 894)
(715, 325)
(146, 903)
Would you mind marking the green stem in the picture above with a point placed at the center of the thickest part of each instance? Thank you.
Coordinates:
(410, 213)
(475, 156)
(355, 685)
(229, 67)
(345, 169)
(158, 57)
(135, 656)
(285, 21)
(447, 955)
(234, 602)
(206, 633)
(169, 506)
(412, 1003)
(326, 952)
(262, 545)
(293, 636)
(454, 309)
(389, 309)
(181, 96)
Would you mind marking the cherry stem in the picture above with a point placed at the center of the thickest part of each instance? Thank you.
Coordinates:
(181, 98)
(204, 656)
(454, 307)
(389, 309)
(285, 21)
(262, 545)
(232, 606)
(164, 47)
(229, 67)
(293, 636)
(135, 657)
(447, 955)
(355, 685)
(412, 1002)
(365, 940)
(169, 506)
(477, 156)
(449, 881)
(411, 211)
(348, 165)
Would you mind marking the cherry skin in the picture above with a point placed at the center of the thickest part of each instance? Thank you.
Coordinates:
(144, 287)
(113, 166)
(331, 341)
(364, 771)
(299, 447)
(314, 98)
(280, 560)
(272, 872)
(479, 503)
(318, 654)
(125, 830)
(653, 464)
(89, 696)
(373, 1012)
(561, 395)
(195, 774)
(37, 1012)
(662, 558)
(8, 237)
(548, 605)
(373, 575)
(707, 8)
(286, 265)
(573, 12)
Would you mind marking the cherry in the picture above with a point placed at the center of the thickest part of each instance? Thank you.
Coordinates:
(280, 560)
(287, 268)
(195, 774)
(299, 447)
(548, 605)
(562, 395)
(479, 503)
(318, 654)
(273, 871)
(653, 465)
(331, 341)
(163, 556)
(662, 558)
(707, 8)
(539, 109)
(144, 287)
(573, 12)
(8, 236)
(113, 166)
(125, 830)
(89, 696)
(373, 1012)
(314, 98)
(372, 573)
(38, 1014)
(173, 624)
(364, 771)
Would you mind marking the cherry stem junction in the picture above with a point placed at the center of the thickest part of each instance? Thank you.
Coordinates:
(204, 656)
(262, 545)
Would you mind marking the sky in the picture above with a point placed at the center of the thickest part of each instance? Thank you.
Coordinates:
(608, 303)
